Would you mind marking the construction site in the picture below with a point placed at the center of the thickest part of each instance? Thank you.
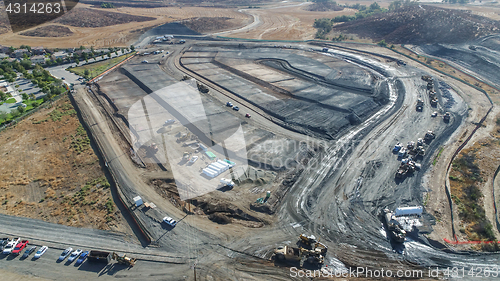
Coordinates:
(241, 159)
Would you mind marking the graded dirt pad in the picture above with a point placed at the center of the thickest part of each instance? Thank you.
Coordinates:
(285, 23)
(49, 31)
(50, 172)
(421, 24)
(205, 24)
(84, 17)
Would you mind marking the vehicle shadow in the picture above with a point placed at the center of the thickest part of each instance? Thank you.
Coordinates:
(92, 267)
(113, 268)
(11, 257)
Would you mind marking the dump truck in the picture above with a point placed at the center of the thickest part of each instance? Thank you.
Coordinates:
(395, 230)
(432, 94)
(429, 136)
(99, 256)
(420, 105)
(426, 78)
(446, 117)
(434, 102)
(124, 259)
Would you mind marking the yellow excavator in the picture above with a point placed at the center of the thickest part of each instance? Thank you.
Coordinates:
(124, 259)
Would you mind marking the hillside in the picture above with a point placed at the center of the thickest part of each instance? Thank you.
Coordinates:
(421, 24)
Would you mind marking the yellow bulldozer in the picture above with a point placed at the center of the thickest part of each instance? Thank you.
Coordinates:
(124, 259)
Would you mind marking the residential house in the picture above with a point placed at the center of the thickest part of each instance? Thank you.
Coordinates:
(38, 50)
(4, 49)
(59, 55)
(19, 53)
(40, 59)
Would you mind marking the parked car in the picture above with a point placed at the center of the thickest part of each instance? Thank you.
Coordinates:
(229, 104)
(3, 242)
(10, 246)
(248, 115)
(170, 221)
(434, 114)
(75, 255)
(236, 108)
(29, 251)
(397, 147)
(20, 246)
(65, 254)
(41, 251)
(169, 121)
(82, 257)
(402, 152)
(193, 159)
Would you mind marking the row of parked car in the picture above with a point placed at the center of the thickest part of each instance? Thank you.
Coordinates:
(15, 246)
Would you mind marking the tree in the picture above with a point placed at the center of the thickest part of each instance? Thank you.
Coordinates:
(382, 43)
(77, 61)
(21, 109)
(3, 115)
(25, 96)
(86, 73)
(374, 6)
(132, 48)
(109, 55)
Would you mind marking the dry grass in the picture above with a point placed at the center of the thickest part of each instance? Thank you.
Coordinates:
(50, 172)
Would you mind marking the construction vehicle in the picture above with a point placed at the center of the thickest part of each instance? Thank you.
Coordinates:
(124, 259)
(407, 166)
(434, 102)
(393, 227)
(432, 94)
(184, 137)
(420, 105)
(154, 147)
(99, 256)
(309, 250)
(410, 145)
(446, 117)
(426, 78)
(429, 136)
(420, 142)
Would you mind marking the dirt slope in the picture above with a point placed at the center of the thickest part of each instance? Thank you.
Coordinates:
(422, 24)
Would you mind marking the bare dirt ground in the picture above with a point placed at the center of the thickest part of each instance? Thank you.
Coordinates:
(122, 33)
(286, 23)
(53, 174)
(49, 31)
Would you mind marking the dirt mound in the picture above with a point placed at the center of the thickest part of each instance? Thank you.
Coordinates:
(324, 7)
(421, 24)
(206, 24)
(49, 31)
(85, 17)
